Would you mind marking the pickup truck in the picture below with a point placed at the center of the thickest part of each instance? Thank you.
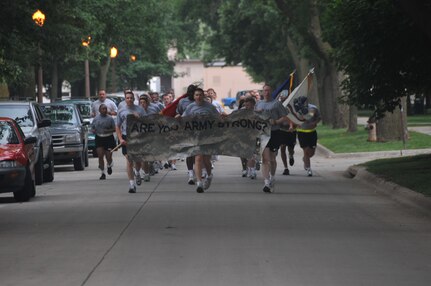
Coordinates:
(69, 134)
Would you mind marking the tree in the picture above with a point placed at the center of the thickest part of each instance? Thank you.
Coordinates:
(271, 39)
(381, 51)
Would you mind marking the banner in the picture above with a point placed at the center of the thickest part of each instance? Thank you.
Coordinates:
(158, 137)
(296, 104)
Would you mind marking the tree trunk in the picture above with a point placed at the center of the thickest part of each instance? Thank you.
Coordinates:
(4, 91)
(333, 112)
(103, 74)
(353, 119)
(301, 64)
(54, 87)
(394, 125)
(428, 101)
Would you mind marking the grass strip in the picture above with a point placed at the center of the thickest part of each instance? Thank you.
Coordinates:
(412, 172)
(341, 141)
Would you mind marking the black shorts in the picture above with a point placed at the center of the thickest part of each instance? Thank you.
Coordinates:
(123, 147)
(307, 139)
(275, 141)
(288, 138)
(107, 143)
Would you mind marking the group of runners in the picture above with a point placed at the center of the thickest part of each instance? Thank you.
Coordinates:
(197, 102)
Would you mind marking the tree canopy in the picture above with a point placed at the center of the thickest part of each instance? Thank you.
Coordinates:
(378, 47)
(384, 53)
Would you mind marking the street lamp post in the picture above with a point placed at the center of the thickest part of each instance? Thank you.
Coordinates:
(39, 18)
(86, 44)
(113, 55)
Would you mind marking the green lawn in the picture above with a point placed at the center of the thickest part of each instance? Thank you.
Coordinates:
(340, 141)
(419, 120)
(412, 172)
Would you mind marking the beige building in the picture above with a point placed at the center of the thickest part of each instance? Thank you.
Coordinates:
(225, 80)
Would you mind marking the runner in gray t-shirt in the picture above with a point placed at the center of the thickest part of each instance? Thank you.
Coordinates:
(198, 108)
(275, 111)
(103, 127)
(121, 129)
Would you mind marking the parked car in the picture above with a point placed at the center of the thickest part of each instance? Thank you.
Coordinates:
(17, 159)
(84, 107)
(69, 134)
(229, 101)
(33, 123)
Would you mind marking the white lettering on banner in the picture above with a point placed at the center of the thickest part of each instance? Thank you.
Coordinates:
(158, 137)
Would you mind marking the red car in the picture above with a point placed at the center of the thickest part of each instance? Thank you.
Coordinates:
(16, 161)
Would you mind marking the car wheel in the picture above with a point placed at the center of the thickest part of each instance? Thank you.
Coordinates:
(38, 169)
(48, 174)
(28, 190)
(79, 162)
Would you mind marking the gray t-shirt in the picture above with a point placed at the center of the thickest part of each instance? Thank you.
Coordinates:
(182, 105)
(152, 108)
(272, 110)
(122, 116)
(112, 107)
(205, 109)
(103, 125)
(312, 117)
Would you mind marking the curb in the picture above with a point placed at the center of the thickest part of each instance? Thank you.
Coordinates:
(377, 155)
(396, 192)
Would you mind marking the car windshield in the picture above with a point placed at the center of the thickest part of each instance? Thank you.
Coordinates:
(60, 114)
(7, 134)
(84, 109)
(21, 114)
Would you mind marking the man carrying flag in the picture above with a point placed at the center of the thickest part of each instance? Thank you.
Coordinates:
(306, 116)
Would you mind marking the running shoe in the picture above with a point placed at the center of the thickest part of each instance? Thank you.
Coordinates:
(110, 168)
(103, 177)
(207, 182)
(146, 178)
(309, 172)
(286, 172)
(253, 175)
(244, 173)
(291, 160)
(166, 165)
(138, 179)
(200, 188)
(267, 188)
(132, 190)
(173, 167)
(257, 165)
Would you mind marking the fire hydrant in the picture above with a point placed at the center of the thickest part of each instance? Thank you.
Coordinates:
(371, 127)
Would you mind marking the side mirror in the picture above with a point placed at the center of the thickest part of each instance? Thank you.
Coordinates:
(44, 123)
(30, 140)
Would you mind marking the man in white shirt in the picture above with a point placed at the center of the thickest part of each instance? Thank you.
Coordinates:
(112, 107)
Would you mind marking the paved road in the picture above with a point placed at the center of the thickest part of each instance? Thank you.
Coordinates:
(324, 230)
